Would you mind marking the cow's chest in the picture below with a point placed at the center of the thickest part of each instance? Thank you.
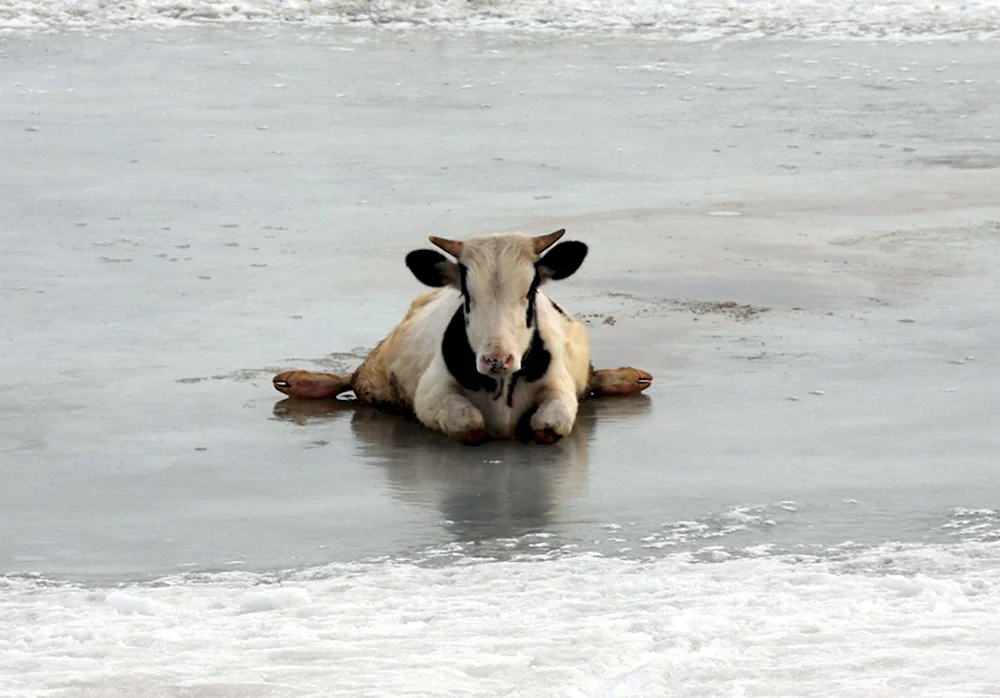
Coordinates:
(502, 410)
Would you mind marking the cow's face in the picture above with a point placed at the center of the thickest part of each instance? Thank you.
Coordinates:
(498, 276)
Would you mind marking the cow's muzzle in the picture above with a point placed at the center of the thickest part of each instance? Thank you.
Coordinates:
(496, 364)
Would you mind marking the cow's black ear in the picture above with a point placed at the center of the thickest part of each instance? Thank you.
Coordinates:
(562, 260)
(432, 268)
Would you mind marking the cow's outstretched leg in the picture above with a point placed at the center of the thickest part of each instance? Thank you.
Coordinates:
(618, 381)
(314, 386)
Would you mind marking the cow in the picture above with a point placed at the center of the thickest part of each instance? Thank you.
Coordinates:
(485, 354)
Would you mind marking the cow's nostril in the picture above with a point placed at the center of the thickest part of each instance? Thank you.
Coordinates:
(497, 363)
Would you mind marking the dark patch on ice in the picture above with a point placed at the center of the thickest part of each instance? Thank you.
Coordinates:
(637, 306)
(731, 309)
(960, 162)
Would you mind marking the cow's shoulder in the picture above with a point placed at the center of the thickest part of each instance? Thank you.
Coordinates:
(567, 340)
(422, 300)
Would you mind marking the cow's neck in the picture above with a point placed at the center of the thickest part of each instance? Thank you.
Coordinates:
(461, 361)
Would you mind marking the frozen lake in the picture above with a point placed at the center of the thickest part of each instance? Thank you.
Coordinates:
(799, 240)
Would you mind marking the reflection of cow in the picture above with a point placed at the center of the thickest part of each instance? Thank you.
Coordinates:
(485, 354)
(500, 490)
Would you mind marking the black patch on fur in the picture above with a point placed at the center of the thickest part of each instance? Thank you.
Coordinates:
(463, 273)
(563, 260)
(510, 388)
(535, 363)
(460, 359)
(428, 266)
(532, 295)
(558, 309)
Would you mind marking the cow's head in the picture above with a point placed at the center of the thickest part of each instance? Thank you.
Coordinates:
(498, 276)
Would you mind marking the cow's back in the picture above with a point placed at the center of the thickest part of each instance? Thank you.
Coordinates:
(389, 376)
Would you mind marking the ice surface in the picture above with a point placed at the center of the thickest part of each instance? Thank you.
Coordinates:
(687, 19)
(139, 434)
(887, 622)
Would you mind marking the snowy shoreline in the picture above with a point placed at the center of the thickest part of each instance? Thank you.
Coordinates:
(590, 626)
(892, 20)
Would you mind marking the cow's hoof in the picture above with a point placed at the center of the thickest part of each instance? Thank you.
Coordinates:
(546, 436)
(472, 438)
(620, 381)
(309, 385)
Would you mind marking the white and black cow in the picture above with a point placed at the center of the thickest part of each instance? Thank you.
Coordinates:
(486, 354)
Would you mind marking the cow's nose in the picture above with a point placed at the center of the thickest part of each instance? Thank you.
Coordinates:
(497, 363)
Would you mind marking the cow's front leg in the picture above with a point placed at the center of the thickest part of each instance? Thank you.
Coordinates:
(440, 406)
(555, 415)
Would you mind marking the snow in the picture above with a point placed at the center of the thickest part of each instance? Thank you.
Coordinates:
(888, 621)
(687, 19)
(257, 601)
(127, 604)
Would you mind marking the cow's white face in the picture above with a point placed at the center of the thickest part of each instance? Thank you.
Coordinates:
(498, 276)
